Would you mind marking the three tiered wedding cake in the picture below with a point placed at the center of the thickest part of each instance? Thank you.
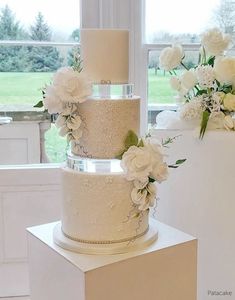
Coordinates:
(108, 183)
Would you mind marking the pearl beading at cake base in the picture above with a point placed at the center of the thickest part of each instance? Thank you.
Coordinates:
(134, 244)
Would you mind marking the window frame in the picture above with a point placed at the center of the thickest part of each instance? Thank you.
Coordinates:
(128, 14)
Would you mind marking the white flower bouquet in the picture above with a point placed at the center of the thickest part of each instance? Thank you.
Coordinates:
(143, 163)
(70, 86)
(209, 87)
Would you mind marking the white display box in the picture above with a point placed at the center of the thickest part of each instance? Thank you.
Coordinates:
(167, 270)
(198, 198)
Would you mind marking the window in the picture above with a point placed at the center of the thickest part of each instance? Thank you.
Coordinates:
(36, 38)
(181, 23)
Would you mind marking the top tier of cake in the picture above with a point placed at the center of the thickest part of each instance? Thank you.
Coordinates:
(105, 55)
(106, 117)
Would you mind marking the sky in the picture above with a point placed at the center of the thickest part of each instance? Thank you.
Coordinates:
(60, 15)
(179, 16)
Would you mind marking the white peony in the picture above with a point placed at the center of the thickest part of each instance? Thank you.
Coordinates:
(137, 163)
(52, 101)
(188, 79)
(72, 86)
(215, 42)
(144, 198)
(205, 76)
(171, 57)
(225, 70)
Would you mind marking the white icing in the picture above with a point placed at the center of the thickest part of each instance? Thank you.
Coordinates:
(105, 54)
(106, 123)
(99, 207)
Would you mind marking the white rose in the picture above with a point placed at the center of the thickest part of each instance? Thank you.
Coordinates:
(160, 172)
(155, 148)
(144, 198)
(52, 101)
(228, 122)
(171, 57)
(137, 163)
(74, 122)
(225, 70)
(215, 42)
(72, 86)
(188, 79)
(229, 102)
(175, 83)
(216, 120)
(139, 184)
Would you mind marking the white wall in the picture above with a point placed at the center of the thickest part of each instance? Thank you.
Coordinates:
(29, 195)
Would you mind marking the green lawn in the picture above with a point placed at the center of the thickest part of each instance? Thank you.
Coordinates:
(22, 88)
(159, 90)
(25, 88)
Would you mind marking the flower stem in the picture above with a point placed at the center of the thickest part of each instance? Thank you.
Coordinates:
(182, 64)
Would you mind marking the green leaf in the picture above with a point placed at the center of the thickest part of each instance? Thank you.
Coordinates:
(169, 140)
(201, 92)
(173, 166)
(180, 161)
(131, 139)
(211, 61)
(205, 118)
(119, 156)
(226, 88)
(177, 163)
(39, 104)
(141, 143)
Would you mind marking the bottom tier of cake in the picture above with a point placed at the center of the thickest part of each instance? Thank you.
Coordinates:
(97, 208)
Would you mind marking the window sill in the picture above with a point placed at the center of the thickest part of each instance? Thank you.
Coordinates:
(160, 107)
(25, 113)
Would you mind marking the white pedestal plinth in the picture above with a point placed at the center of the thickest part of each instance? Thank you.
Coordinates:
(199, 198)
(164, 271)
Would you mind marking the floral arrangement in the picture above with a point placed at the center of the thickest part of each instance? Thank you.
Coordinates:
(70, 86)
(209, 87)
(143, 164)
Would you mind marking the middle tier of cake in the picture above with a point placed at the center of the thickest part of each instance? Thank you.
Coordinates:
(105, 125)
(97, 205)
